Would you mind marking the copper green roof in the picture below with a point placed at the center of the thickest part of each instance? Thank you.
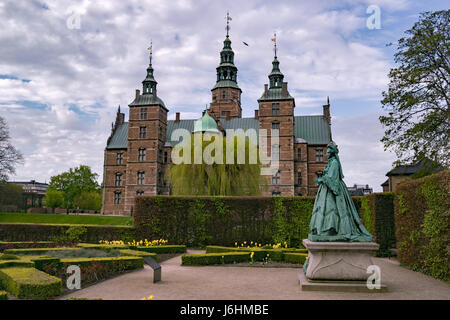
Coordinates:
(226, 84)
(147, 100)
(313, 129)
(205, 124)
(275, 94)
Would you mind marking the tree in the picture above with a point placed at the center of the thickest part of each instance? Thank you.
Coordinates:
(54, 198)
(73, 183)
(216, 179)
(9, 156)
(89, 200)
(11, 195)
(417, 102)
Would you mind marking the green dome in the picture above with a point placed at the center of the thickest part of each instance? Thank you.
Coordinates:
(206, 124)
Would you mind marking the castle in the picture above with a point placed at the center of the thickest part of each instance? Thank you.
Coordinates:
(138, 152)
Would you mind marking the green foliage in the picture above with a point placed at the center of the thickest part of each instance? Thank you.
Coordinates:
(89, 200)
(73, 234)
(423, 224)
(54, 198)
(74, 183)
(216, 179)
(417, 123)
(8, 256)
(298, 258)
(45, 218)
(29, 283)
(162, 249)
(11, 195)
(215, 258)
(3, 295)
(9, 156)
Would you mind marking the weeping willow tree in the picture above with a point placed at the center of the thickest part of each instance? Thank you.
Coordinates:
(234, 174)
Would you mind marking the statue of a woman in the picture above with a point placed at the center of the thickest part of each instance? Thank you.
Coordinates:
(334, 216)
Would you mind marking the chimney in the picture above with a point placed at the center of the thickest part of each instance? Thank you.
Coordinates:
(326, 111)
(266, 90)
(256, 114)
(284, 91)
(138, 93)
(177, 116)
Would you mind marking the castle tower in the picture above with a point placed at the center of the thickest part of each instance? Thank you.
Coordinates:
(146, 137)
(276, 112)
(226, 94)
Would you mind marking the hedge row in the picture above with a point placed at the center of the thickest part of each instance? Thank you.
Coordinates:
(12, 232)
(259, 253)
(30, 283)
(161, 249)
(298, 258)
(226, 220)
(26, 244)
(215, 258)
(422, 223)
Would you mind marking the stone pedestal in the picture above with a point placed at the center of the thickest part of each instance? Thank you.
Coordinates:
(338, 266)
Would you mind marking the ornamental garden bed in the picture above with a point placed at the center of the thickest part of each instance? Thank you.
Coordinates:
(41, 272)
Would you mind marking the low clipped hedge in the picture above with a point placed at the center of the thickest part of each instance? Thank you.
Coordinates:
(214, 258)
(95, 269)
(25, 244)
(15, 263)
(161, 249)
(37, 251)
(259, 253)
(422, 223)
(3, 295)
(136, 253)
(30, 283)
(298, 258)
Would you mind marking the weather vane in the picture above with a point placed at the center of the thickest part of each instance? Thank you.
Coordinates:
(151, 50)
(274, 39)
(228, 22)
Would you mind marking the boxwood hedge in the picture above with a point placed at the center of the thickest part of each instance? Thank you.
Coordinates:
(215, 258)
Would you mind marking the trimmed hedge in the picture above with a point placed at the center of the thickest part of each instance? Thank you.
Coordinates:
(25, 244)
(422, 222)
(377, 215)
(38, 251)
(39, 232)
(161, 249)
(259, 253)
(225, 220)
(214, 258)
(15, 263)
(298, 258)
(30, 283)
(3, 295)
(136, 253)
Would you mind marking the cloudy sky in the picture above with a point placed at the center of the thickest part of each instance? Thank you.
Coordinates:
(65, 67)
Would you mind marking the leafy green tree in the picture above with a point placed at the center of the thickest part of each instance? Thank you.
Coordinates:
(89, 200)
(9, 156)
(54, 198)
(11, 194)
(73, 183)
(216, 179)
(417, 101)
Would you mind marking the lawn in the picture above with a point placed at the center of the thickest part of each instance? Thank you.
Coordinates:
(38, 218)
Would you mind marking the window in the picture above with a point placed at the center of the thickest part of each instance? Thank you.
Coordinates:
(275, 109)
(140, 177)
(118, 181)
(160, 177)
(299, 178)
(276, 194)
(119, 158)
(117, 197)
(165, 157)
(143, 113)
(224, 94)
(140, 192)
(276, 178)
(319, 155)
(276, 152)
(275, 125)
(142, 132)
(142, 156)
(299, 154)
(223, 113)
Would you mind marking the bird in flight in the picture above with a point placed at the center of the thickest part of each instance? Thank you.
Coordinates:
(245, 43)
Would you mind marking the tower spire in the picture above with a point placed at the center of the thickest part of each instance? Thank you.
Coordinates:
(228, 23)
(274, 39)
(149, 83)
(151, 51)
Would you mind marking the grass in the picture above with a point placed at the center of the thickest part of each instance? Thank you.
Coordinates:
(38, 218)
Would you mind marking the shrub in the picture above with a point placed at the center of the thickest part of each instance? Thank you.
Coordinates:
(136, 253)
(26, 244)
(3, 295)
(8, 256)
(298, 258)
(161, 249)
(215, 258)
(30, 283)
(422, 224)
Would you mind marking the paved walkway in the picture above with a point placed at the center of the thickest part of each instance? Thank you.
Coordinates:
(245, 283)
